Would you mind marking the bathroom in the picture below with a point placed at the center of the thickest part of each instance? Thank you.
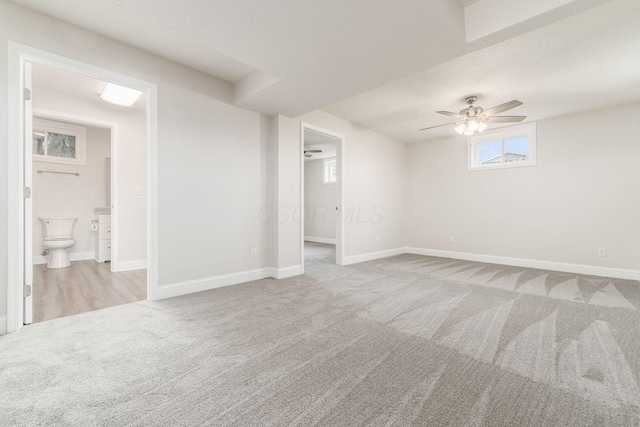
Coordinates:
(62, 190)
(81, 146)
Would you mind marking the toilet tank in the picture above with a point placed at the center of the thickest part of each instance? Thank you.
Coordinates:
(57, 227)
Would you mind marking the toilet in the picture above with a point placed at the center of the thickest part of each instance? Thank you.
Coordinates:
(57, 239)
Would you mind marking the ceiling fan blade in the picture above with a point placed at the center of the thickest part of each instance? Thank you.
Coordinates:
(437, 126)
(308, 155)
(449, 113)
(505, 119)
(313, 151)
(502, 107)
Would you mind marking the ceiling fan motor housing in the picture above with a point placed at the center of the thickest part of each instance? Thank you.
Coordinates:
(471, 99)
(472, 111)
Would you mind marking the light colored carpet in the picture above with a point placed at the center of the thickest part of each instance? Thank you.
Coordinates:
(399, 341)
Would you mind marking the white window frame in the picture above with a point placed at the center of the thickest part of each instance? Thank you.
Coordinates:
(80, 132)
(527, 129)
(324, 170)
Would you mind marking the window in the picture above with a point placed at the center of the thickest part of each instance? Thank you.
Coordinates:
(58, 142)
(330, 171)
(503, 148)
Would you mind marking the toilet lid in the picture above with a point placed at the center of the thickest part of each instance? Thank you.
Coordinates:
(58, 238)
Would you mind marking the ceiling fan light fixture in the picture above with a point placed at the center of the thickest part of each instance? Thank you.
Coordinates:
(476, 119)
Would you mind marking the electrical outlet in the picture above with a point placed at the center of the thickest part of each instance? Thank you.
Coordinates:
(93, 194)
(450, 239)
(139, 191)
(294, 189)
(377, 239)
(254, 252)
(602, 252)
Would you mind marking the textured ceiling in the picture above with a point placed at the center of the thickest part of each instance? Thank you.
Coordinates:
(377, 62)
(584, 62)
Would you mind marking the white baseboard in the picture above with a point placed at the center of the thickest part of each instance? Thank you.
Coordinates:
(354, 259)
(320, 240)
(74, 256)
(531, 263)
(132, 265)
(208, 283)
(3, 325)
(591, 270)
(283, 273)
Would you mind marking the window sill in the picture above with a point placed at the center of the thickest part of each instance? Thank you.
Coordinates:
(502, 166)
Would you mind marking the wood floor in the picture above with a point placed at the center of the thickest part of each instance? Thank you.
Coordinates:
(85, 286)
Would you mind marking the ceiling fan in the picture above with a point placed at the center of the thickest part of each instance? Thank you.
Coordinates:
(476, 119)
(310, 153)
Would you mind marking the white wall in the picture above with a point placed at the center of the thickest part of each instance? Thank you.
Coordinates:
(132, 163)
(319, 202)
(375, 186)
(4, 201)
(582, 195)
(209, 153)
(289, 209)
(60, 195)
(210, 187)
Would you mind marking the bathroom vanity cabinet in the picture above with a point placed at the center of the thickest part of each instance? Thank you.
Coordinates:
(103, 242)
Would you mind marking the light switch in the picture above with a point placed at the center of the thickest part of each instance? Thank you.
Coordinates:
(294, 188)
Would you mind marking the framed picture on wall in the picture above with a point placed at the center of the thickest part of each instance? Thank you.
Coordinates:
(58, 142)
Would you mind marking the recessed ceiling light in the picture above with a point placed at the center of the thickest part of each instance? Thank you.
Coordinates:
(120, 95)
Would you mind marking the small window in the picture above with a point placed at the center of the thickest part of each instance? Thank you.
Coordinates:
(503, 148)
(58, 142)
(330, 171)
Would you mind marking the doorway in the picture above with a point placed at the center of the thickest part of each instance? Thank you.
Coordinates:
(21, 219)
(322, 183)
(72, 172)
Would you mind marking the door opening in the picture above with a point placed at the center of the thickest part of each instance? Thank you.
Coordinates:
(57, 147)
(74, 225)
(322, 183)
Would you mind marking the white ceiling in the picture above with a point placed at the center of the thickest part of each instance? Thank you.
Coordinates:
(319, 141)
(377, 62)
(59, 80)
(584, 62)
